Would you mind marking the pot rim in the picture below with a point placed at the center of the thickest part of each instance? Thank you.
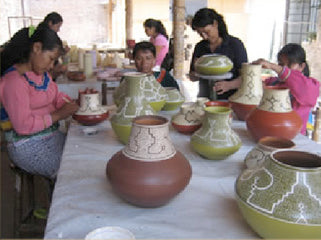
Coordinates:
(162, 121)
(268, 139)
(292, 167)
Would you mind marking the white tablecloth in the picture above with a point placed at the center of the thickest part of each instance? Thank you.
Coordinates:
(83, 199)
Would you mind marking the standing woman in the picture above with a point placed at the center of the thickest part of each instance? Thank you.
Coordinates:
(158, 36)
(32, 101)
(211, 27)
(53, 20)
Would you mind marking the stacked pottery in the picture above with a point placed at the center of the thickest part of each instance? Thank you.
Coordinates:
(153, 92)
(134, 104)
(90, 111)
(187, 121)
(281, 198)
(174, 99)
(274, 115)
(265, 146)
(216, 139)
(249, 95)
(148, 172)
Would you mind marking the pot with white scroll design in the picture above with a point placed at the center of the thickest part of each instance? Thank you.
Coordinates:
(148, 172)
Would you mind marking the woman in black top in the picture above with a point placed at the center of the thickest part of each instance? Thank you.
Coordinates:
(212, 28)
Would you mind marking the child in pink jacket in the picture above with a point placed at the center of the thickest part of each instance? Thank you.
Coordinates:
(293, 73)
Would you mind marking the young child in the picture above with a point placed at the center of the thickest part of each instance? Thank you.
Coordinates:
(293, 73)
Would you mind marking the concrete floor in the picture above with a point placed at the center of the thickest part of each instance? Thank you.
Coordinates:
(35, 227)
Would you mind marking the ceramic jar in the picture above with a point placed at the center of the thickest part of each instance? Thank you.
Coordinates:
(213, 64)
(187, 121)
(90, 111)
(265, 146)
(152, 91)
(216, 139)
(148, 172)
(199, 106)
(274, 115)
(174, 99)
(249, 95)
(281, 198)
(134, 104)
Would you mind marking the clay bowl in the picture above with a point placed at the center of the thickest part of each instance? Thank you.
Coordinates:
(76, 75)
(218, 103)
(242, 110)
(213, 64)
(89, 120)
(186, 129)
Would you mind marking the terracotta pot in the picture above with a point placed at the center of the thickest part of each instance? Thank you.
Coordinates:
(89, 120)
(282, 197)
(148, 172)
(187, 121)
(265, 146)
(76, 75)
(90, 111)
(213, 64)
(216, 139)
(242, 110)
(174, 99)
(134, 104)
(249, 95)
(151, 90)
(274, 116)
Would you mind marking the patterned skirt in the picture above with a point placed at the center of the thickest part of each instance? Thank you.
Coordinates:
(40, 154)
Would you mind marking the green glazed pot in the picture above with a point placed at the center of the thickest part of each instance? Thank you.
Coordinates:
(215, 139)
(152, 91)
(174, 99)
(133, 105)
(282, 198)
(213, 64)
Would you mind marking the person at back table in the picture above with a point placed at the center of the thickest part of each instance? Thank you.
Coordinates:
(33, 103)
(293, 73)
(144, 55)
(158, 36)
(211, 27)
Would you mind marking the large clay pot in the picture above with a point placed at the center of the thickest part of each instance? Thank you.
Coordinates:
(282, 197)
(152, 91)
(133, 105)
(213, 64)
(187, 121)
(265, 146)
(274, 115)
(216, 139)
(90, 111)
(249, 95)
(148, 172)
(174, 99)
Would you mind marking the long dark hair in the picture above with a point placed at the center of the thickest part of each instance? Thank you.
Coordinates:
(52, 17)
(18, 48)
(206, 16)
(295, 54)
(158, 25)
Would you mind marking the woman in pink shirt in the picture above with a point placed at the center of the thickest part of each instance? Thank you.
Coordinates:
(32, 101)
(158, 36)
(293, 73)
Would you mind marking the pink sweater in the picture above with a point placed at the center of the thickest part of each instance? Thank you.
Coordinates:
(160, 40)
(304, 91)
(29, 109)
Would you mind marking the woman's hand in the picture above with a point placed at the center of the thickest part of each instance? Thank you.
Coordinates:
(268, 65)
(65, 111)
(221, 87)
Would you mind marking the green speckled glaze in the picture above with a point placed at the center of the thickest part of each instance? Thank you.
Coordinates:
(213, 64)
(284, 193)
(215, 139)
(174, 99)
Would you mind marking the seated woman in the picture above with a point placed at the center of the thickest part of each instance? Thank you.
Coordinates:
(32, 101)
(144, 54)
